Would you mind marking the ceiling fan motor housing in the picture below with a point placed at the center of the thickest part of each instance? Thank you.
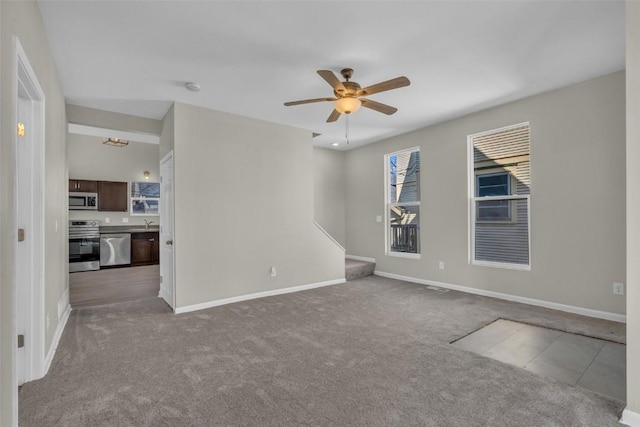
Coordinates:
(350, 89)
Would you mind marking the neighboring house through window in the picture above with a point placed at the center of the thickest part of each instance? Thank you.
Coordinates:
(403, 203)
(499, 192)
(145, 198)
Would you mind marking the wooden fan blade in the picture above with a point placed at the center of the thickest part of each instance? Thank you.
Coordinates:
(382, 108)
(384, 86)
(335, 114)
(333, 81)
(308, 101)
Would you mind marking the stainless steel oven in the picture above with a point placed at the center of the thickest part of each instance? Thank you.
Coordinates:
(84, 245)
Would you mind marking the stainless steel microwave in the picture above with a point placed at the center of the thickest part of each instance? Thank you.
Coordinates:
(83, 201)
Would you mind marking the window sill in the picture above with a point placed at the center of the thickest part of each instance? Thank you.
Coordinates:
(503, 265)
(403, 255)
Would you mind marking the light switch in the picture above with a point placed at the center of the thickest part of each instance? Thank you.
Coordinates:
(379, 218)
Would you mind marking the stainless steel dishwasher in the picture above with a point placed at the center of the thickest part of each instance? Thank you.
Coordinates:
(115, 249)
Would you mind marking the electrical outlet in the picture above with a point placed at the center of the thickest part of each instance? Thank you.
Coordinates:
(274, 273)
(125, 219)
(107, 220)
(441, 265)
(618, 288)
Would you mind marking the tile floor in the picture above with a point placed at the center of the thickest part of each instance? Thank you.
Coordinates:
(591, 363)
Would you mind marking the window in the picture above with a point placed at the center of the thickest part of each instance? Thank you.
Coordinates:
(403, 203)
(493, 184)
(145, 198)
(499, 189)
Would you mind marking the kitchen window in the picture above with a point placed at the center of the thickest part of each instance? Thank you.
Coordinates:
(402, 179)
(145, 198)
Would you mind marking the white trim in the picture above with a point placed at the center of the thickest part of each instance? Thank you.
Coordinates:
(56, 338)
(112, 133)
(256, 295)
(170, 205)
(503, 265)
(360, 258)
(540, 303)
(63, 304)
(512, 197)
(32, 296)
(330, 236)
(630, 418)
(407, 255)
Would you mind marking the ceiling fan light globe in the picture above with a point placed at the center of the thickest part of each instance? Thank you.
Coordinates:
(347, 105)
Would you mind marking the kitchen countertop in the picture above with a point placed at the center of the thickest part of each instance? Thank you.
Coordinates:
(111, 229)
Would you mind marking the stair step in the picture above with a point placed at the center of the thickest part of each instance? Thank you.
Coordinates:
(356, 269)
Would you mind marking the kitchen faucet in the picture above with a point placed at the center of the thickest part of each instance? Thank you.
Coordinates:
(147, 223)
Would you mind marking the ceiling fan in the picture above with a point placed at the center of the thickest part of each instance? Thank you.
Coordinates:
(349, 95)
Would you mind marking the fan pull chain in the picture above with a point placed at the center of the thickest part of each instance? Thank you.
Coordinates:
(346, 135)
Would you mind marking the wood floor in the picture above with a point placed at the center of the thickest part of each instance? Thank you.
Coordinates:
(91, 288)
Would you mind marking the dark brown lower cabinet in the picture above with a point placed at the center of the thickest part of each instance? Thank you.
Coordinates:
(145, 248)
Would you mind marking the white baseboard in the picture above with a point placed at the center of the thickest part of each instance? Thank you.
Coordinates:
(360, 258)
(540, 303)
(62, 322)
(271, 293)
(630, 418)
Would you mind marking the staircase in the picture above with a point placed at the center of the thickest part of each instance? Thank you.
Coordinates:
(357, 269)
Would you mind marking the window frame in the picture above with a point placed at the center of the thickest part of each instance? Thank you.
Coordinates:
(388, 204)
(472, 199)
(511, 186)
(132, 199)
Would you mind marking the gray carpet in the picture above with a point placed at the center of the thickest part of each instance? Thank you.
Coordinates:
(370, 352)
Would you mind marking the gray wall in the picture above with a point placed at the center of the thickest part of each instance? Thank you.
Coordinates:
(89, 158)
(577, 198)
(633, 206)
(244, 203)
(329, 191)
(23, 19)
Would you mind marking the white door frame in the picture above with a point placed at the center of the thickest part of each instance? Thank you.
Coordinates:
(29, 297)
(167, 207)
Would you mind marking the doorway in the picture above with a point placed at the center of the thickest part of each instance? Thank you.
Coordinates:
(28, 201)
(167, 287)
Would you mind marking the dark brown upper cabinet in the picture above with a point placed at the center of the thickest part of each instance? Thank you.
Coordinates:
(83, 186)
(112, 196)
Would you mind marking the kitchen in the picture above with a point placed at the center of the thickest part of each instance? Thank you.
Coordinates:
(114, 219)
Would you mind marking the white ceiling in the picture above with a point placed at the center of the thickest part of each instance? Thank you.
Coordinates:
(252, 56)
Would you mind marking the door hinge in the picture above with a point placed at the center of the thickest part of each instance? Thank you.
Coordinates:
(20, 234)
(160, 279)
(20, 341)
(21, 129)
